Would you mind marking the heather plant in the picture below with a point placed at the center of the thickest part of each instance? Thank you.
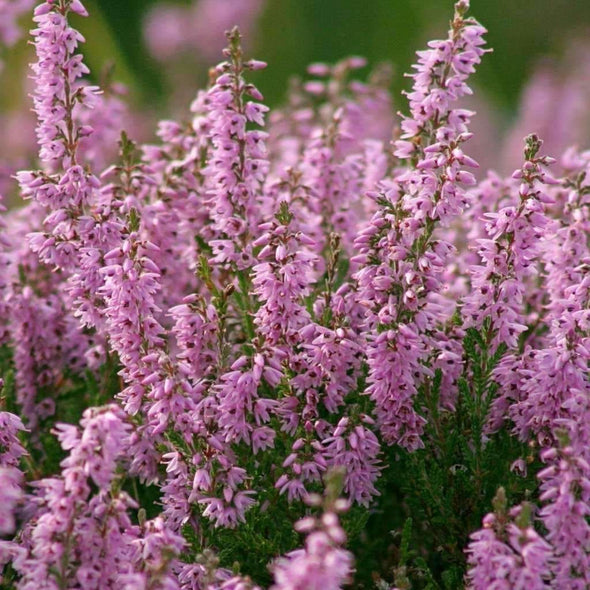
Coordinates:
(297, 349)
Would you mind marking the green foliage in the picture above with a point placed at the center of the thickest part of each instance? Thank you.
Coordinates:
(8, 395)
(433, 499)
(266, 534)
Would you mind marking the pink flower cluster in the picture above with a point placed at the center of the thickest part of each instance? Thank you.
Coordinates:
(11, 450)
(280, 302)
(322, 563)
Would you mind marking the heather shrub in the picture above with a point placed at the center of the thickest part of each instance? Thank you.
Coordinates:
(312, 348)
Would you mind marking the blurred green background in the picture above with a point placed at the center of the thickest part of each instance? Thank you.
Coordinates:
(294, 33)
(290, 34)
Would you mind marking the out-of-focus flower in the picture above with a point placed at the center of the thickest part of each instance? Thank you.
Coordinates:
(172, 29)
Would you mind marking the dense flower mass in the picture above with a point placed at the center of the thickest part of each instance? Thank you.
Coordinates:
(274, 323)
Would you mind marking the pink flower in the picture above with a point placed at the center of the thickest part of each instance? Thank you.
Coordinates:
(321, 564)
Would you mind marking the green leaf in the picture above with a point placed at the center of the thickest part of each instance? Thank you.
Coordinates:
(405, 542)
